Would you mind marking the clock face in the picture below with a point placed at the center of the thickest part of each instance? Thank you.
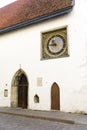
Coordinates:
(55, 45)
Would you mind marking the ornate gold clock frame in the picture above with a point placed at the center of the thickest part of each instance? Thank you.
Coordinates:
(54, 44)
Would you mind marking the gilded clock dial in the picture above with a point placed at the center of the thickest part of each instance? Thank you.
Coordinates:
(55, 44)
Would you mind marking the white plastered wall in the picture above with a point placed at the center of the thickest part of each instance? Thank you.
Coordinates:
(23, 47)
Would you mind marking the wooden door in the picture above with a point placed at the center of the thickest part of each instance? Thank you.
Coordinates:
(55, 97)
(23, 92)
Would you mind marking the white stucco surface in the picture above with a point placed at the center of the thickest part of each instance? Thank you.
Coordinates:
(23, 47)
(6, 2)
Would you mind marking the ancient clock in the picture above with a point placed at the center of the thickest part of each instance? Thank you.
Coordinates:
(54, 44)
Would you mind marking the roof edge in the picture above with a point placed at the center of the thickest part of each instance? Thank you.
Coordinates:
(39, 19)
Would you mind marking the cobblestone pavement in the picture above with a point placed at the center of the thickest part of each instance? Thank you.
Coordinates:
(14, 122)
(25, 119)
(58, 116)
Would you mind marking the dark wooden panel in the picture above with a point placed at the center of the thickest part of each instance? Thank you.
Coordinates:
(22, 96)
(23, 92)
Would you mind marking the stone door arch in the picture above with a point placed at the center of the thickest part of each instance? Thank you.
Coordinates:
(19, 90)
(55, 97)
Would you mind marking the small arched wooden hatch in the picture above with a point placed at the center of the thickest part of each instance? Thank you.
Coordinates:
(55, 97)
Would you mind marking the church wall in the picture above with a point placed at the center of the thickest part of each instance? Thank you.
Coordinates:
(22, 48)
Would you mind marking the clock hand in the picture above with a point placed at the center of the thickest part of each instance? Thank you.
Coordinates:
(54, 43)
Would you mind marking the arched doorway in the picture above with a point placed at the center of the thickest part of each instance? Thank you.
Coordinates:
(19, 90)
(55, 97)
